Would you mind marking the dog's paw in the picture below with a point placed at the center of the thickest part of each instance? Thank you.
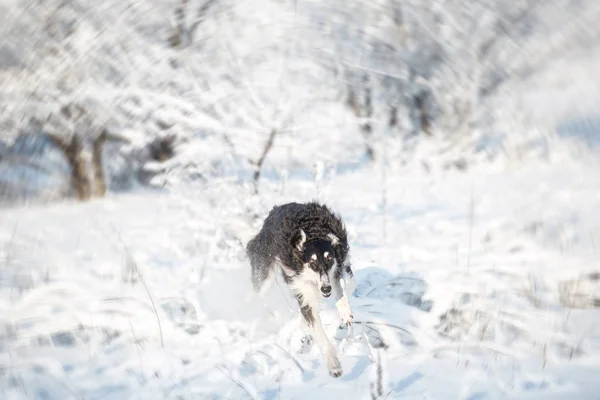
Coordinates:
(307, 340)
(335, 368)
(343, 307)
(347, 319)
(306, 344)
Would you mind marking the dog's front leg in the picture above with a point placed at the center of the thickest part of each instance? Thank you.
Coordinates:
(341, 302)
(341, 294)
(310, 312)
(349, 281)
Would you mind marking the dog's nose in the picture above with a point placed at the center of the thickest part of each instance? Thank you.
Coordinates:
(326, 290)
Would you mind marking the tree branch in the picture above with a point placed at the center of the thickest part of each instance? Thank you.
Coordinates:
(258, 165)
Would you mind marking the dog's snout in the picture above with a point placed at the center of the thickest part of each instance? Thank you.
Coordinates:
(326, 290)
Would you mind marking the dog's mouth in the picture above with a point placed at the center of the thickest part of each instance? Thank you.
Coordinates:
(326, 294)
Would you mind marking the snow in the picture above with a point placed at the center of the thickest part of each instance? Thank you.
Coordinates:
(464, 294)
(482, 282)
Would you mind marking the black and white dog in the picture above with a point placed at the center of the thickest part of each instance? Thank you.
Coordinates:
(309, 244)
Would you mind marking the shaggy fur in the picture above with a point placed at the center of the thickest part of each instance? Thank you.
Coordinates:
(309, 244)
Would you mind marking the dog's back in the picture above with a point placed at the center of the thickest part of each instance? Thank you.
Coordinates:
(315, 219)
(281, 229)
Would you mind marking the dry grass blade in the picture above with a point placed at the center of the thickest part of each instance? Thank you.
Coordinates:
(134, 267)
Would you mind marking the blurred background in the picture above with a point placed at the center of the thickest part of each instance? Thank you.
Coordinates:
(143, 90)
(142, 142)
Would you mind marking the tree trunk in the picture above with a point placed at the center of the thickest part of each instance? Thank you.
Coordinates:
(421, 108)
(73, 151)
(179, 34)
(367, 128)
(365, 111)
(393, 117)
(98, 164)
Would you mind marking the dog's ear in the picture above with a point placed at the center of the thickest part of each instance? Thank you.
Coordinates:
(299, 240)
(334, 239)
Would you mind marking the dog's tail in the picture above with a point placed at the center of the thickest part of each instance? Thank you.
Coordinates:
(261, 272)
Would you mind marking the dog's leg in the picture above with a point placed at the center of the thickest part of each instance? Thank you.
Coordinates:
(341, 294)
(307, 340)
(310, 312)
(342, 304)
(349, 280)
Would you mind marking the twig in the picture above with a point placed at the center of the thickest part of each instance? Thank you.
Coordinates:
(133, 264)
(240, 384)
(291, 357)
(377, 385)
(200, 17)
(384, 324)
(475, 346)
(137, 347)
(391, 282)
(162, 342)
(258, 165)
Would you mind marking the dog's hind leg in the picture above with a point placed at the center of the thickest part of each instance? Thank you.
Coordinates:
(310, 313)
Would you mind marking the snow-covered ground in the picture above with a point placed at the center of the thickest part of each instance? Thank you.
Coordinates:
(475, 285)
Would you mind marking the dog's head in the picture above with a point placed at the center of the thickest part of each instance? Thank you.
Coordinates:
(318, 257)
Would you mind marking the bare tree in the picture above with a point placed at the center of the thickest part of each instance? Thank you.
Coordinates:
(99, 179)
(362, 107)
(72, 148)
(70, 130)
(435, 64)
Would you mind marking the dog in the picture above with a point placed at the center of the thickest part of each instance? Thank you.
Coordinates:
(308, 243)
